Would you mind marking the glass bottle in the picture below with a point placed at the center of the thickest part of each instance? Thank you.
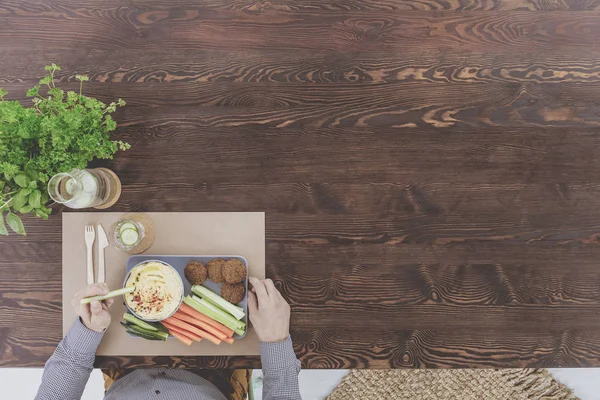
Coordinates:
(98, 188)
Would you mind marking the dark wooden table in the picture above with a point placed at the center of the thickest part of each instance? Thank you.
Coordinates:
(430, 169)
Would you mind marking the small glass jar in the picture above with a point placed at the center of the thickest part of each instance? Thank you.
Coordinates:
(133, 233)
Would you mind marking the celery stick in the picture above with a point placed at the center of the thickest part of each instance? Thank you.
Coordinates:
(218, 301)
(207, 305)
(201, 304)
(193, 301)
(219, 316)
(114, 293)
(190, 301)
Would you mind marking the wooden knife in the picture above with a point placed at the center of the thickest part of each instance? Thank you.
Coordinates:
(102, 244)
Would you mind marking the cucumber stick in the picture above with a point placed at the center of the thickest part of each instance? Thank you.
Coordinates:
(132, 319)
(114, 293)
(218, 301)
(142, 333)
(159, 326)
(160, 335)
(137, 330)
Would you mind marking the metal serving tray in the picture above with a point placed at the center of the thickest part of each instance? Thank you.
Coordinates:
(179, 263)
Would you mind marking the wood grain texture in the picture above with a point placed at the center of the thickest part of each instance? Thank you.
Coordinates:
(192, 28)
(51, 6)
(428, 168)
(298, 66)
(342, 155)
(433, 275)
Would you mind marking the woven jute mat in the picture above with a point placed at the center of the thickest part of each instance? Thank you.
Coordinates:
(451, 384)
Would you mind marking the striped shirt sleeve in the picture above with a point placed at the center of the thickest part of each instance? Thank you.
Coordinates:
(280, 371)
(68, 370)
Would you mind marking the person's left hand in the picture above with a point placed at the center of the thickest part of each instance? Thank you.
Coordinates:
(95, 316)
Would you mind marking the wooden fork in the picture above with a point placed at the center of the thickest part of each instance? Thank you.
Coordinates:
(90, 236)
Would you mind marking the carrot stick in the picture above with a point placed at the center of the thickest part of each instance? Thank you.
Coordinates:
(191, 320)
(193, 329)
(201, 317)
(202, 325)
(186, 309)
(186, 340)
(228, 340)
(181, 331)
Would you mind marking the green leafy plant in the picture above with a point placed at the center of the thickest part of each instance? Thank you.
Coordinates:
(62, 131)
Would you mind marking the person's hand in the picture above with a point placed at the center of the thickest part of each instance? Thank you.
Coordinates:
(95, 316)
(268, 311)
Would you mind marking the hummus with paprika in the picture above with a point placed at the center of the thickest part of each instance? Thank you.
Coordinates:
(158, 291)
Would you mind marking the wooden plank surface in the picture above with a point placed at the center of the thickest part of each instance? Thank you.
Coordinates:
(429, 169)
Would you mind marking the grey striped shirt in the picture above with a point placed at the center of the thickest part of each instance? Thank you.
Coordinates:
(69, 368)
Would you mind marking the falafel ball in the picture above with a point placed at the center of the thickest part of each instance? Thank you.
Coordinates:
(215, 270)
(195, 273)
(233, 293)
(234, 271)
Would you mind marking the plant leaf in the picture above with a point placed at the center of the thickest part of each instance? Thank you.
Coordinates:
(34, 199)
(24, 192)
(26, 209)
(15, 223)
(34, 91)
(21, 180)
(32, 184)
(56, 92)
(18, 202)
(3, 230)
(31, 173)
(40, 214)
(2, 183)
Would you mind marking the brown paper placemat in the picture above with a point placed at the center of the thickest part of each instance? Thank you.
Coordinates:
(176, 233)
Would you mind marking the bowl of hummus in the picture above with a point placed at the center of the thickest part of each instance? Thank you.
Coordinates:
(158, 290)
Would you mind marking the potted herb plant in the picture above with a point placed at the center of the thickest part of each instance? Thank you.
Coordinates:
(60, 132)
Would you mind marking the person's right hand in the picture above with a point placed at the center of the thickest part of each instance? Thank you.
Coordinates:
(268, 311)
(95, 316)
